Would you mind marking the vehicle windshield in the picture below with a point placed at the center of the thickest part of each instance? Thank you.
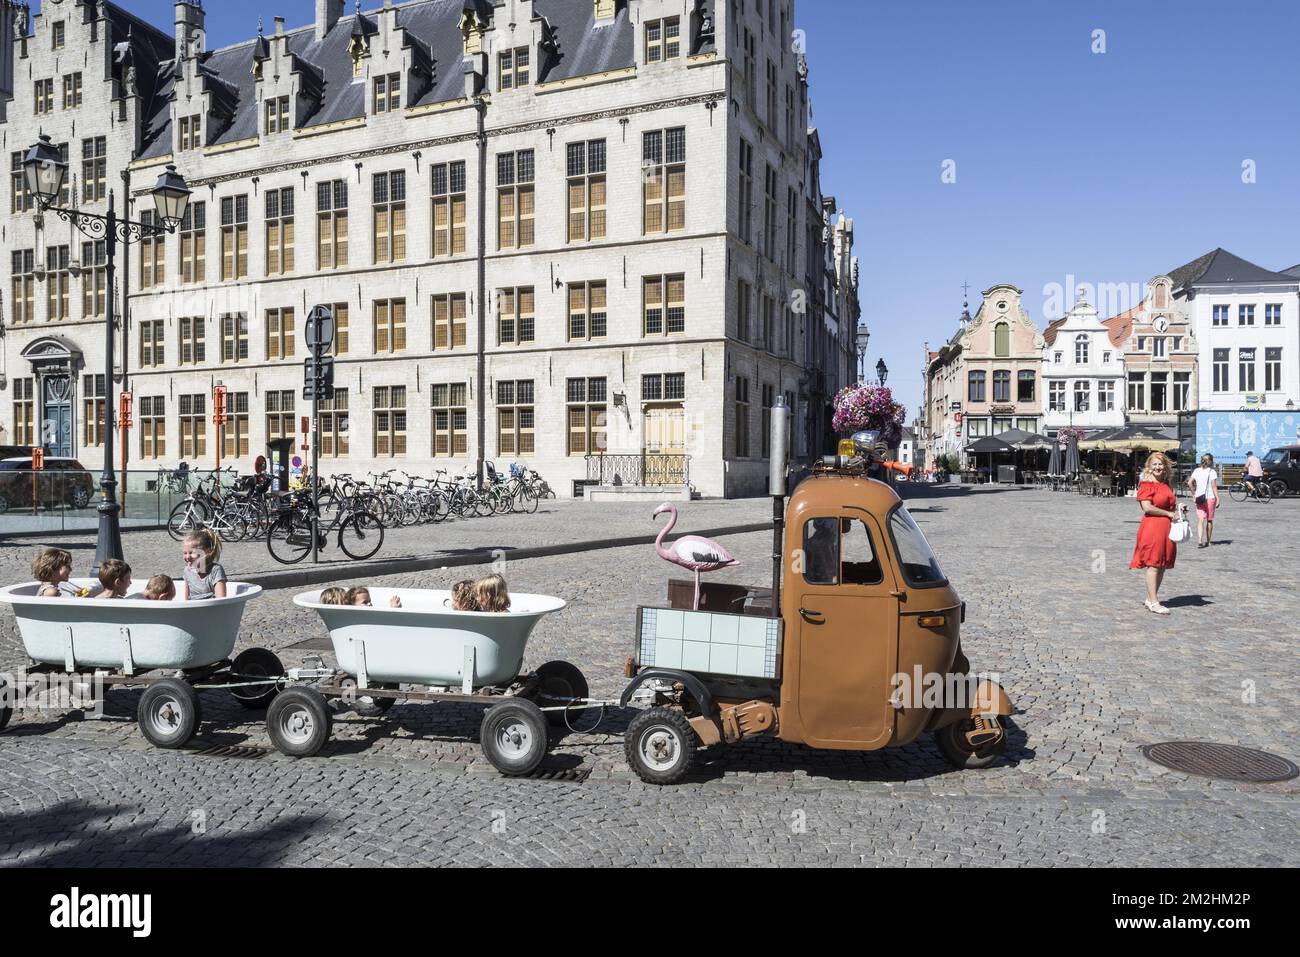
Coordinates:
(919, 565)
(1274, 457)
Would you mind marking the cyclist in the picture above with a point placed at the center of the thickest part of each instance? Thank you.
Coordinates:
(1254, 473)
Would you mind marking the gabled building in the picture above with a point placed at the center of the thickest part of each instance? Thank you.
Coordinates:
(571, 233)
(1160, 353)
(1246, 321)
(1083, 373)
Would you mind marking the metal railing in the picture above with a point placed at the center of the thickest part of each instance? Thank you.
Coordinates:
(64, 500)
(639, 469)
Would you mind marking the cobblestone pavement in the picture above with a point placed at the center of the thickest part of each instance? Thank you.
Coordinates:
(1052, 608)
(556, 522)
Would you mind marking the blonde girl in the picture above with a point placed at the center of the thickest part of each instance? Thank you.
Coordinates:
(491, 595)
(53, 568)
(202, 577)
(334, 596)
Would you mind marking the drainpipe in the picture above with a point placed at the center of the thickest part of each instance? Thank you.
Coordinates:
(480, 107)
(125, 313)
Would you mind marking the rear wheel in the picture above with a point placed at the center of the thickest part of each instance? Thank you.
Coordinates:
(660, 746)
(80, 497)
(361, 536)
(289, 538)
(298, 722)
(6, 703)
(968, 745)
(1278, 488)
(169, 713)
(559, 684)
(514, 737)
(1264, 491)
(527, 500)
(253, 665)
(1237, 492)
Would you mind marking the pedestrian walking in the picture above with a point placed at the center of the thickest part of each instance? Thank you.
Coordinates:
(1155, 551)
(1204, 485)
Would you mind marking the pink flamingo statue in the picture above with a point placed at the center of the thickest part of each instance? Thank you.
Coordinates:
(691, 551)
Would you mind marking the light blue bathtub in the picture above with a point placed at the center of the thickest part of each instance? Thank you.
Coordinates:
(132, 635)
(426, 642)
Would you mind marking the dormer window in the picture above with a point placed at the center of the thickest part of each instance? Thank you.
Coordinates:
(387, 93)
(1081, 349)
(663, 39)
(190, 132)
(277, 115)
(514, 68)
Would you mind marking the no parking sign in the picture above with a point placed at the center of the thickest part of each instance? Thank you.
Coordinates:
(295, 471)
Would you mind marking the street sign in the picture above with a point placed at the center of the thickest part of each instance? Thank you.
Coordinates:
(318, 377)
(219, 405)
(38, 459)
(124, 420)
(320, 329)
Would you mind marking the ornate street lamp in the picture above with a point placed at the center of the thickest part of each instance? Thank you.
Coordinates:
(882, 372)
(44, 171)
(864, 335)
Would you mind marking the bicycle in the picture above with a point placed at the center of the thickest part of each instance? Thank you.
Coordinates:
(1258, 490)
(289, 539)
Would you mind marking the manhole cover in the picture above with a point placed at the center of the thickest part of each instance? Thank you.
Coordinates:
(235, 751)
(1225, 761)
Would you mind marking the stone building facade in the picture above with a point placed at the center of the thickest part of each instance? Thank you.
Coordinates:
(1083, 373)
(550, 230)
(1160, 352)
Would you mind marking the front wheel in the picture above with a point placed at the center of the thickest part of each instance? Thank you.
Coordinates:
(514, 737)
(660, 746)
(967, 745)
(1238, 492)
(298, 722)
(361, 536)
(186, 517)
(169, 713)
(1264, 491)
(289, 538)
(1278, 488)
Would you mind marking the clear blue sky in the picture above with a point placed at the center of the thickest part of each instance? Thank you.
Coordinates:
(1110, 167)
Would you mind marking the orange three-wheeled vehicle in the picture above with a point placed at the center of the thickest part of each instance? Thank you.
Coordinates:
(858, 648)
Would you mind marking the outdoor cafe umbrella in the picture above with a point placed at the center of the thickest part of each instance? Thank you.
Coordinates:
(1134, 437)
(990, 445)
(1054, 462)
(1072, 457)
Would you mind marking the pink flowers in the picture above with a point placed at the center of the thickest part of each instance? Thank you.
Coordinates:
(1068, 433)
(870, 407)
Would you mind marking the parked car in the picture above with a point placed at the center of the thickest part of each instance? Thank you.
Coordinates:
(63, 481)
(1282, 470)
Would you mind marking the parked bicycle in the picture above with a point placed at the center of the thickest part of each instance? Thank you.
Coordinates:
(360, 533)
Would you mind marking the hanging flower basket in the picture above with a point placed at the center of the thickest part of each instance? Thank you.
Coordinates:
(870, 407)
(1070, 433)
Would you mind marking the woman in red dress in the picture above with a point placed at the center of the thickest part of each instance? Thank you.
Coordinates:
(1154, 551)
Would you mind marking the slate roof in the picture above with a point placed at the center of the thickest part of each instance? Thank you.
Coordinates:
(1219, 267)
(1293, 271)
(577, 47)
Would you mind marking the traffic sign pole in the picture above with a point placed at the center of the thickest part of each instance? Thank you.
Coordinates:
(319, 333)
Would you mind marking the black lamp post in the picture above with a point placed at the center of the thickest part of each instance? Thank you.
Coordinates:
(863, 337)
(882, 372)
(44, 171)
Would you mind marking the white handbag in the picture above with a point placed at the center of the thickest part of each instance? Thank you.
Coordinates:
(1180, 530)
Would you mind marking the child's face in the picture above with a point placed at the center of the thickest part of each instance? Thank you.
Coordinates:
(122, 585)
(192, 555)
(361, 599)
(63, 574)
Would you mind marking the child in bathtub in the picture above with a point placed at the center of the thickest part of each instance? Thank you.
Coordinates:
(462, 596)
(202, 577)
(491, 595)
(334, 596)
(360, 597)
(53, 568)
(115, 576)
(160, 588)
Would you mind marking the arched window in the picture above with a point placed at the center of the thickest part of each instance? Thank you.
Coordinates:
(1081, 349)
(1002, 339)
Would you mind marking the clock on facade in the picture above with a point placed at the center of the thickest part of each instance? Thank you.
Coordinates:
(1161, 324)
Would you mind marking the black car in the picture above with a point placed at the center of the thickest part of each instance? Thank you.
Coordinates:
(1282, 470)
(61, 482)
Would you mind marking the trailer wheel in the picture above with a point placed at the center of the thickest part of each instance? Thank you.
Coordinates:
(514, 736)
(558, 680)
(250, 665)
(169, 713)
(383, 704)
(298, 722)
(660, 746)
(6, 703)
(957, 748)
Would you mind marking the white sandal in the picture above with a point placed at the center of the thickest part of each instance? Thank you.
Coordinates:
(1156, 608)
